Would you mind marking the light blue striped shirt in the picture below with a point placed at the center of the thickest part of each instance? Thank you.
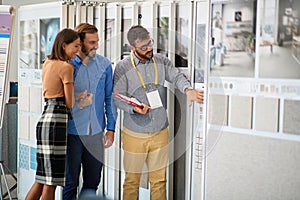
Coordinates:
(96, 78)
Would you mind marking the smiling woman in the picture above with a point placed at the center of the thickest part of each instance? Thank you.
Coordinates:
(51, 129)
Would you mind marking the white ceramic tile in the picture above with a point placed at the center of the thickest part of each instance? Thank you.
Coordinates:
(36, 100)
(32, 127)
(23, 98)
(23, 126)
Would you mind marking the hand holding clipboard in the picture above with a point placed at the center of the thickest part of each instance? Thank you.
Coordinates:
(131, 101)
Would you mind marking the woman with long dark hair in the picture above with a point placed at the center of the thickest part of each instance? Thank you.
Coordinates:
(51, 129)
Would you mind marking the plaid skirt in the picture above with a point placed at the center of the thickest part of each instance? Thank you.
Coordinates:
(51, 134)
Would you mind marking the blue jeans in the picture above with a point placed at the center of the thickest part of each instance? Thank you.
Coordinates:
(86, 152)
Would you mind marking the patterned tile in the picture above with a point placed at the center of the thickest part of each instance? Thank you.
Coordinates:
(23, 156)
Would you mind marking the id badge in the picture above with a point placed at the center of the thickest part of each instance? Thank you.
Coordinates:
(154, 99)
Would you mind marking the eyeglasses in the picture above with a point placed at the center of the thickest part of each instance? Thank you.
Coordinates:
(145, 47)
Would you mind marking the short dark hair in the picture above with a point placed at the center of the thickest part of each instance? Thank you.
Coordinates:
(84, 28)
(137, 32)
(65, 36)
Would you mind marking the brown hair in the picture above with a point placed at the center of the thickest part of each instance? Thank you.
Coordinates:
(137, 32)
(65, 36)
(84, 28)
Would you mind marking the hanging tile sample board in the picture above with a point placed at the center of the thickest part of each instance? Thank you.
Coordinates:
(6, 22)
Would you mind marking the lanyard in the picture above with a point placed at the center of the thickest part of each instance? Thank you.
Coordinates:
(140, 75)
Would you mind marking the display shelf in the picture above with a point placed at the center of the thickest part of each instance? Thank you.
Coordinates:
(236, 34)
(239, 25)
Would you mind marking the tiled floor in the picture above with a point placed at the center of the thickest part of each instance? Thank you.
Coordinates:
(279, 64)
(236, 64)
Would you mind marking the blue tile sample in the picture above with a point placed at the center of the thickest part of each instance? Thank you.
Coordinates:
(33, 163)
(23, 156)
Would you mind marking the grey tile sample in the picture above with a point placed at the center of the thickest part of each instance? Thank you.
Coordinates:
(291, 117)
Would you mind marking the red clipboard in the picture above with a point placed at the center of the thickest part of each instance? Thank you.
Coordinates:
(132, 101)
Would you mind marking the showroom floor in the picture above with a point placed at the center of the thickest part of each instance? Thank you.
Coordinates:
(279, 64)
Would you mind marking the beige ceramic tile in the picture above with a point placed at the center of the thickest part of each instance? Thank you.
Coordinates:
(218, 109)
(241, 112)
(266, 114)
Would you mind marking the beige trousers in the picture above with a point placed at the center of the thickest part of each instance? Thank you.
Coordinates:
(139, 148)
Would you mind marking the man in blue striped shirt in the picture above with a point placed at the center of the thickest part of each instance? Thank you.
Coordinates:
(93, 113)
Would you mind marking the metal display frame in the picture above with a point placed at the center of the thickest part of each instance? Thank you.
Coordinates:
(113, 11)
(6, 35)
(6, 41)
(112, 174)
(170, 93)
(198, 153)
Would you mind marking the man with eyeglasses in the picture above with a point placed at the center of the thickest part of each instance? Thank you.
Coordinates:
(145, 134)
